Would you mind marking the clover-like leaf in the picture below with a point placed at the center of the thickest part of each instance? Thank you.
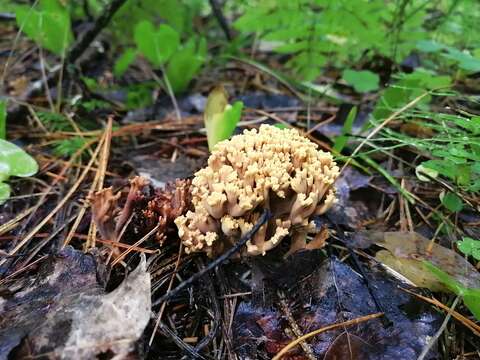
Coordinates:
(362, 81)
(470, 247)
(452, 201)
(185, 63)
(157, 45)
(16, 160)
(49, 25)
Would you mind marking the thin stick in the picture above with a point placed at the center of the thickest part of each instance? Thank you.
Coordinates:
(13, 223)
(434, 339)
(99, 179)
(132, 247)
(226, 255)
(321, 330)
(217, 12)
(464, 320)
(79, 48)
(15, 43)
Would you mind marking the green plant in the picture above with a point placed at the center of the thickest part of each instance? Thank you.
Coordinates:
(465, 60)
(54, 121)
(405, 89)
(470, 247)
(178, 14)
(471, 297)
(162, 47)
(451, 201)
(68, 147)
(362, 81)
(13, 162)
(48, 25)
(220, 118)
(341, 140)
(314, 32)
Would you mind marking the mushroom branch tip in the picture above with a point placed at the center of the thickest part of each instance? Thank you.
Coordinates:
(270, 168)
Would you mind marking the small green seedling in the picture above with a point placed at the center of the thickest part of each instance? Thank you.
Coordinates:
(471, 296)
(48, 25)
(362, 81)
(451, 201)
(13, 162)
(341, 140)
(220, 117)
(162, 47)
(470, 247)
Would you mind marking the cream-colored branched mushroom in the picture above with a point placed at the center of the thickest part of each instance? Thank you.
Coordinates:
(270, 168)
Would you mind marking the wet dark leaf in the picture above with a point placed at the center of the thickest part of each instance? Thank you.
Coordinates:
(406, 253)
(335, 293)
(65, 312)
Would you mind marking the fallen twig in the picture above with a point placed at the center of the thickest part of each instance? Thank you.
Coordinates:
(217, 12)
(81, 45)
(326, 328)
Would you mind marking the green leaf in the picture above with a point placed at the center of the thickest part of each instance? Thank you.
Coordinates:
(421, 170)
(465, 60)
(4, 192)
(49, 26)
(470, 247)
(362, 81)
(429, 46)
(220, 118)
(231, 117)
(18, 161)
(157, 45)
(3, 119)
(341, 140)
(124, 61)
(471, 298)
(68, 147)
(454, 285)
(452, 202)
(185, 64)
(442, 167)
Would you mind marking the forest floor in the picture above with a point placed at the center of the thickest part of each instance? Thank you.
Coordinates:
(369, 287)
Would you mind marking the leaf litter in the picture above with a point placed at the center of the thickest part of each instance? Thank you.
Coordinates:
(64, 311)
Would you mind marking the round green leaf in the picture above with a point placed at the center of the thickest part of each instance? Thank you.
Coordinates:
(157, 45)
(362, 81)
(19, 162)
(469, 247)
(452, 202)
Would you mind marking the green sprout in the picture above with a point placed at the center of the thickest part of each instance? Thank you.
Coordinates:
(220, 117)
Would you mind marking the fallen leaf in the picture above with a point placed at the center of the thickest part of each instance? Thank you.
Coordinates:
(330, 293)
(406, 251)
(65, 312)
